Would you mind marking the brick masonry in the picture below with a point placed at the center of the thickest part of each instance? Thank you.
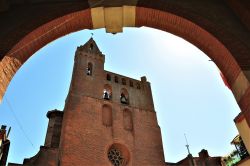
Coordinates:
(86, 136)
(219, 28)
(91, 125)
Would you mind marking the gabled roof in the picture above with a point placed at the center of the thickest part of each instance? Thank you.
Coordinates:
(90, 46)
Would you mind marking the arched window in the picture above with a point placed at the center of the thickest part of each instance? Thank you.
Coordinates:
(107, 115)
(124, 98)
(89, 69)
(108, 77)
(131, 83)
(107, 92)
(127, 120)
(123, 81)
(116, 79)
(138, 86)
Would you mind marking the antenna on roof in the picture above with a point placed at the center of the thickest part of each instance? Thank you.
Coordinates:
(189, 154)
(92, 34)
(187, 144)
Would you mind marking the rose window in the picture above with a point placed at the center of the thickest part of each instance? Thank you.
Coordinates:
(115, 157)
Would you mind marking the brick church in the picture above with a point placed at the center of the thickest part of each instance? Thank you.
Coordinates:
(108, 119)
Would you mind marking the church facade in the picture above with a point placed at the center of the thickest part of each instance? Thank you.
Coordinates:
(108, 119)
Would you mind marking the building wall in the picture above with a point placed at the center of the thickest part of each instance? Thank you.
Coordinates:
(93, 85)
(90, 127)
(243, 130)
(48, 154)
(203, 160)
(45, 157)
(85, 139)
(140, 95)
(93, 125)
(54, 129)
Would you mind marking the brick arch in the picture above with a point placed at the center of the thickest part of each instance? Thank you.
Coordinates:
(132, 17)
(38, 38)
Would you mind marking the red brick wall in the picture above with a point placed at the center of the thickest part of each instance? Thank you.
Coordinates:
(86, 138)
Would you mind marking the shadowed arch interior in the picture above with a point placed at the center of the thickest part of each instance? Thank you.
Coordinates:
(107, 118)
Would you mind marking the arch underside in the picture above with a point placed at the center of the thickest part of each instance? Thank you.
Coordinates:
(224, 46)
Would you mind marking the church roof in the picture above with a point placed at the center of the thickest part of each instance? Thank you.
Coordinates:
(90, 46)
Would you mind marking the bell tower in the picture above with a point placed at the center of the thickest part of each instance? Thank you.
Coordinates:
(109, 119)
(88, 70)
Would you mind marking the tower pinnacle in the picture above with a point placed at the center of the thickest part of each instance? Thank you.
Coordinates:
(90, 46)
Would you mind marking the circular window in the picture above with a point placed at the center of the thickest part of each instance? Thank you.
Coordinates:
(118, 155)
(115, 157)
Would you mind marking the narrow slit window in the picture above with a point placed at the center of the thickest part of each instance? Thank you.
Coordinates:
(131, 83)
(108, 77)
(89, 69)
(138, 86)
(123, 81)
(91, 46)
(116, 79)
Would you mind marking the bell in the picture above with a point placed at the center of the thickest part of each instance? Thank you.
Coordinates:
(123, 99)
(106, 95)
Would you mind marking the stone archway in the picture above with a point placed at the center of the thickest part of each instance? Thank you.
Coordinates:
(225, 50)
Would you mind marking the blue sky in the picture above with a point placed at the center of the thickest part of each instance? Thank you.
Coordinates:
(189, 94)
